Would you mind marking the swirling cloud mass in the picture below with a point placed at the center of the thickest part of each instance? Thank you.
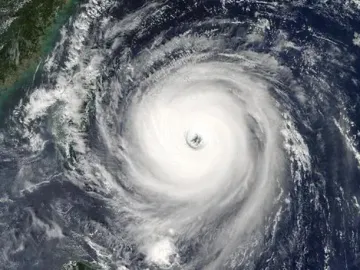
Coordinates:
(213, 134)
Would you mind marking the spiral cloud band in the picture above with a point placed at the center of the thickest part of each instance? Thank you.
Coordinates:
(205, 138)
(211, 133)
(190, 137)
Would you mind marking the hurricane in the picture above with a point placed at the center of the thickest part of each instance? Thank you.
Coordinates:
(189, 134)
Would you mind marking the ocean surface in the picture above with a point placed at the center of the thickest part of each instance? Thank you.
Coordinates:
(188, 134)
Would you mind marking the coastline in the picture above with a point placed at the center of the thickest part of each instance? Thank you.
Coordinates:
(27, 42)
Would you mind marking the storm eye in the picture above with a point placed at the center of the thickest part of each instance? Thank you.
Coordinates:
(194, 140)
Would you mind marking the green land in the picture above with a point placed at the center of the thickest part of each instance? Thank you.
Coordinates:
(24, 45)
(30, 36)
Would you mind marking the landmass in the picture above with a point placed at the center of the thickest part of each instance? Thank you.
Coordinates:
(28, 32)
(32, 30)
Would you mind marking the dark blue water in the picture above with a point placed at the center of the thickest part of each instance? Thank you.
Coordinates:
(50, 205)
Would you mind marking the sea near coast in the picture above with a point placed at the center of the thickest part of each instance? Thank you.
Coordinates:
(29, 30)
